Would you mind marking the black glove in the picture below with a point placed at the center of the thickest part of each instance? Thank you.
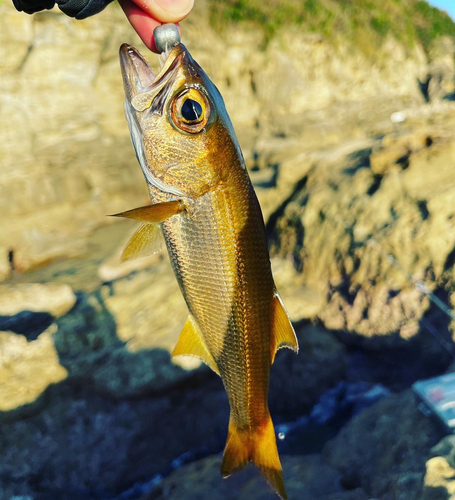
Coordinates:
(80, 9)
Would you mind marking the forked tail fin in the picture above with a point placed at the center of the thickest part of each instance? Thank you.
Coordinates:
(257, 446)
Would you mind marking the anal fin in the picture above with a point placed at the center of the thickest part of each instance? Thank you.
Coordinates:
(191, 343)
(283, 334)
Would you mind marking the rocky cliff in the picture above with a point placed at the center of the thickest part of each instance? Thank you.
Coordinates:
(64, 141)
(354, 171)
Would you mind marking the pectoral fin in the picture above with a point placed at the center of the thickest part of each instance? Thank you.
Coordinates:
(283, 334)
(147, 240)
(154, 213)
(191, 343)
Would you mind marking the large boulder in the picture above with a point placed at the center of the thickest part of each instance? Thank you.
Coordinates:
(384, 449)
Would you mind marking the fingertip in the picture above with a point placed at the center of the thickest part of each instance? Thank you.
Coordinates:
(143, 23)
(166, 11)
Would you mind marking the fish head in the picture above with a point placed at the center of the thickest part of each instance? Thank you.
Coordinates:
(181, 132)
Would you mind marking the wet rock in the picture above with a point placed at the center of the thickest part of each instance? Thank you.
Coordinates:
(306, 477)
(384, 449)
(346, 398)
(51, 298)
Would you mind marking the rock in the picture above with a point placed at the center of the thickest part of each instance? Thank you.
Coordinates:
(124, 355)
(439, 478)
(301, 301)
(113, 268)
(84, 418)
(297, 381)
(396, 150)
(306, 477)
(446, 449)
(91, 445)
(384, 449)
(439, 475)
(54, 299)
(141, 304)
(374, 246)
(348, 399)
(27, 369)
(79, 154)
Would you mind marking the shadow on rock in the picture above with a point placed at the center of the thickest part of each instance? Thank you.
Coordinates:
(89, 348)
(306, 478)
(87, 445)
(385, 448)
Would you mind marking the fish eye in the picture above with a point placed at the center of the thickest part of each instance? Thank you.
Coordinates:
(190, 111)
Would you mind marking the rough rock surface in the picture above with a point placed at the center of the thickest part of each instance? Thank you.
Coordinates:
(307, 478)
(62, 395)
(27, 368)
(297, 381)
(78, 436)
(62, 93)
(384, 449)
(375, 244)
(93, 345)
(51, 298)
(86, 445)
(355, 176)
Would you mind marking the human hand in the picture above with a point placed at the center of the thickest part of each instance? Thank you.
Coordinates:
(146, 15)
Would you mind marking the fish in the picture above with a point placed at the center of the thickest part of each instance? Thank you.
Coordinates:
(204, 204)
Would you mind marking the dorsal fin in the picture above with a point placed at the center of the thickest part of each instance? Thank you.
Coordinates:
(191, 343)
(283, 334)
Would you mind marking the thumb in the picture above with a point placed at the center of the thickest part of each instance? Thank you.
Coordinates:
(166, 11)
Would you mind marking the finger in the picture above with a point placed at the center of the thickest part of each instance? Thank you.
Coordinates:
(166, 11)
(142, 22)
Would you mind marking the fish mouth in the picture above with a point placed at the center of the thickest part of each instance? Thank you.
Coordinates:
(139, 78)
(141, 87)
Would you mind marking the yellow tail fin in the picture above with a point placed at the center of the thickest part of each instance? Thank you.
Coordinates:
(257, 446)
